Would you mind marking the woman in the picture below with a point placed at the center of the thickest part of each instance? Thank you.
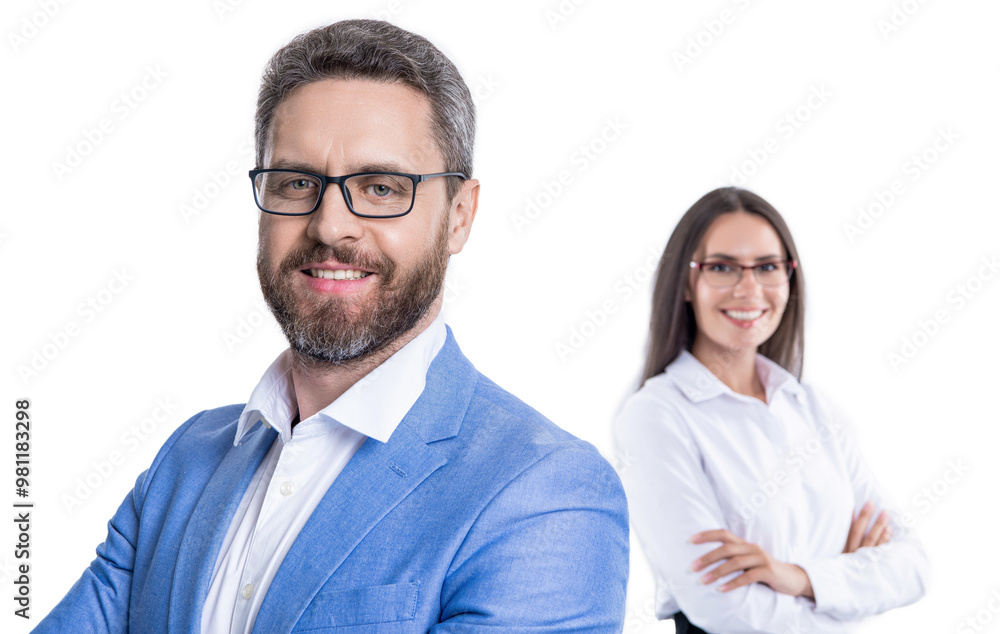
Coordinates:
(749, 496)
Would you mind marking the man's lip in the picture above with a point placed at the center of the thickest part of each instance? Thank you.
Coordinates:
(337, 287)
(333, 267)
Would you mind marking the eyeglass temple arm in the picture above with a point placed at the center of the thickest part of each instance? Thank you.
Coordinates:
(424, 177)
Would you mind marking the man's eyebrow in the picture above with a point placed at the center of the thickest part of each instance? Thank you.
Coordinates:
(387, 166)
(733, 258)
(285, 164)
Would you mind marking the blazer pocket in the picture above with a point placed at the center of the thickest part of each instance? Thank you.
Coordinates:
(360, 606)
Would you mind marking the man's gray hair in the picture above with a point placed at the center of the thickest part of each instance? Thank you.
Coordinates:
(376, 51)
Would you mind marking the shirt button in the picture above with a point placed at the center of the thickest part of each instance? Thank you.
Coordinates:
(287, 487)
(247, 590)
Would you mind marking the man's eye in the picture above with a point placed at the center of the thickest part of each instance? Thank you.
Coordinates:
(301, 184)
(381, 190)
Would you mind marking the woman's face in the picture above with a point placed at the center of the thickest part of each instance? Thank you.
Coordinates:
(741, 317)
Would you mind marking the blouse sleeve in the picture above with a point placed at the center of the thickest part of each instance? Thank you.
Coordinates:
(670, 499)
(872, 579)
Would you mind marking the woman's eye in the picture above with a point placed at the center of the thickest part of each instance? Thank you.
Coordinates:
(720, 267)
(768, 267)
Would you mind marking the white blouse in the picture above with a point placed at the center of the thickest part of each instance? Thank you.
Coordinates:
(786, 475)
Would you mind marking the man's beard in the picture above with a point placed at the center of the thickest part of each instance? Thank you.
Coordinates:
(332, 329)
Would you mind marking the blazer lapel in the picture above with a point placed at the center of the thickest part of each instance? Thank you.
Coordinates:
(374, 481)
(207, 527)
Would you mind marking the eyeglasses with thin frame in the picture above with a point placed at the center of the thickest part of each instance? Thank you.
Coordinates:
(367, 194)
(724, 273)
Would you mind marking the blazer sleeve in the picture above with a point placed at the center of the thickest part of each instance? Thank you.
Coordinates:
(99, 600)
(549, 553)
(870, 580)
(670, 499)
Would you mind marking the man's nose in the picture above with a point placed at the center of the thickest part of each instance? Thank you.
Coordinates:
(333, 221)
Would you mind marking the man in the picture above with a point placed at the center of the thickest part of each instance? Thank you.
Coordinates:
(374, 481)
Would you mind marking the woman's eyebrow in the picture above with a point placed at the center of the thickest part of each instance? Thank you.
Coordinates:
(733, 258)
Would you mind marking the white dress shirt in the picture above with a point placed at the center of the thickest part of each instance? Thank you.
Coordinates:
(299, 468)
(785, 475)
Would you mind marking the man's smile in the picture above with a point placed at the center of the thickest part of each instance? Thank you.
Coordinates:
(339, 280)
(338, 274)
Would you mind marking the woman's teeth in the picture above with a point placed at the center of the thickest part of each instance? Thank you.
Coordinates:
(744, 315)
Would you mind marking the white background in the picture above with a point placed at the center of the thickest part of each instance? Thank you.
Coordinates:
(159, 347)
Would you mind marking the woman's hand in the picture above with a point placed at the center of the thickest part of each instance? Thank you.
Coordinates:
(758, 564)
(881, 532)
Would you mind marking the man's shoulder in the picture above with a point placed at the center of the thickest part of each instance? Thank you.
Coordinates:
(491, 402)
(504, 430)
(208, 431)
(463, 406)
(212, 422)
(202, 441)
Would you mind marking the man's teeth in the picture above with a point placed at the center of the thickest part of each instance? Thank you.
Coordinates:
(339, 274)
(744, 315)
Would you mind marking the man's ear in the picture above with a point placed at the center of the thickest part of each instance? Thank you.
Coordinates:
(462, 213)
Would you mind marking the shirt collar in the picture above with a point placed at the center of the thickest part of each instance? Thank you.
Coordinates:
(698, 383)
(374, 406)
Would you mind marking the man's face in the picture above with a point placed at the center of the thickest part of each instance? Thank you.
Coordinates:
(392, 268)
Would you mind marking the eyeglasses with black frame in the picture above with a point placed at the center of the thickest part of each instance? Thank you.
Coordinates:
(724, 273)
(367, 194)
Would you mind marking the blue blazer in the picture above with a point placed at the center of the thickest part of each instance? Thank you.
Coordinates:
(477, 515)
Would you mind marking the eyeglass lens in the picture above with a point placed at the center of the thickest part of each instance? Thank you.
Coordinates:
(367, 194)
